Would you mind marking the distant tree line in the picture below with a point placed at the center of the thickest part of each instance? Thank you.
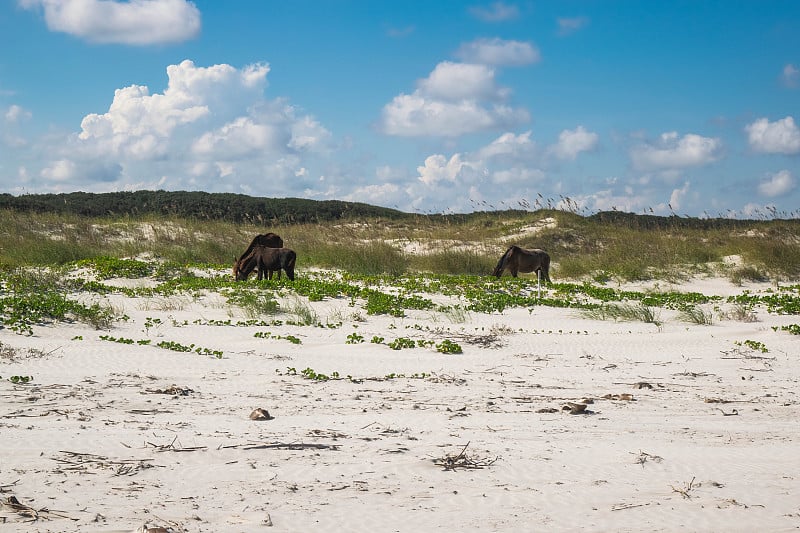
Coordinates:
(196, 205)
(655, 222)
(241, 208)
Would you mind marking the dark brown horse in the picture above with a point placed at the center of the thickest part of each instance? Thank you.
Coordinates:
(517, 260)
(271, 240)
(267, 260)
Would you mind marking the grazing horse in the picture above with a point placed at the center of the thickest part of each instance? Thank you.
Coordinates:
(271, 240)
(267, 260)
(517, 260)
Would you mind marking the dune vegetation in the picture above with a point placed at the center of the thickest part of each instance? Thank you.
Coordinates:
(602, 247)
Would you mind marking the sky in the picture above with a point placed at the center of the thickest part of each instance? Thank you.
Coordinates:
(687, 107)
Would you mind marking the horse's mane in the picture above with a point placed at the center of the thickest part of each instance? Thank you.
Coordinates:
(505, 257)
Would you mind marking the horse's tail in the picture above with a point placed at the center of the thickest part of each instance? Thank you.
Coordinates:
(290, 260)
(546, 267)
(501, 265)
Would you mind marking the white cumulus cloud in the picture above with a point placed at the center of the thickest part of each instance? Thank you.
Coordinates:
(573, 142)
(136, 22)
(139, 124)
(674, 152)
(455, 99)
(504, 171)
(458, 81)
(438, 168)
(509, 146)
(499, 52)
(777, 184)
(779, 137)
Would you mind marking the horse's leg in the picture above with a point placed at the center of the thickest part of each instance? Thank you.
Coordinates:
(261, 269)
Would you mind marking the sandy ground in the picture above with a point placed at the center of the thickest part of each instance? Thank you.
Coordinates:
(682, 428)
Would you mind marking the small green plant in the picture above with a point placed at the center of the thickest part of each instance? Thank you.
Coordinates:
(448, 346)
(309, 373)
(20, 380)
(402, 342)
(268, 335)
(120, 340)
(376, 340)
(753, 345)
(207, 351)
(151, 323)
(354, 338)
(794, 329)
(175, 346)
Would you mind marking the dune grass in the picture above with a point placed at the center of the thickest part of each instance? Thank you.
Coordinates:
(580, 247)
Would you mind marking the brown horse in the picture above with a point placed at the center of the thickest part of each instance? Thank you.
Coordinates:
(268, 260)
(517, 260)
(271, 240)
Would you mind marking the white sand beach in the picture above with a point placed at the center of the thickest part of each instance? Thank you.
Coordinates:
(684, 427)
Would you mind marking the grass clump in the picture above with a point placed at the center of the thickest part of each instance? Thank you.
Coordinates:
(747, 273)
(254, 303)
(453, 261)
(695, 315)
(624, 312)
(303, 314)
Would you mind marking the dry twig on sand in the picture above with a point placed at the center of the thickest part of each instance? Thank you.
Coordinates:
(685, 491)
(172, 448)
(281, 446)
(644, 457)
(462, 460)
(28, 512)
(76, 461)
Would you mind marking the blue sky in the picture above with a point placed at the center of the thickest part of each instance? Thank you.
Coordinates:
(691, 107)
